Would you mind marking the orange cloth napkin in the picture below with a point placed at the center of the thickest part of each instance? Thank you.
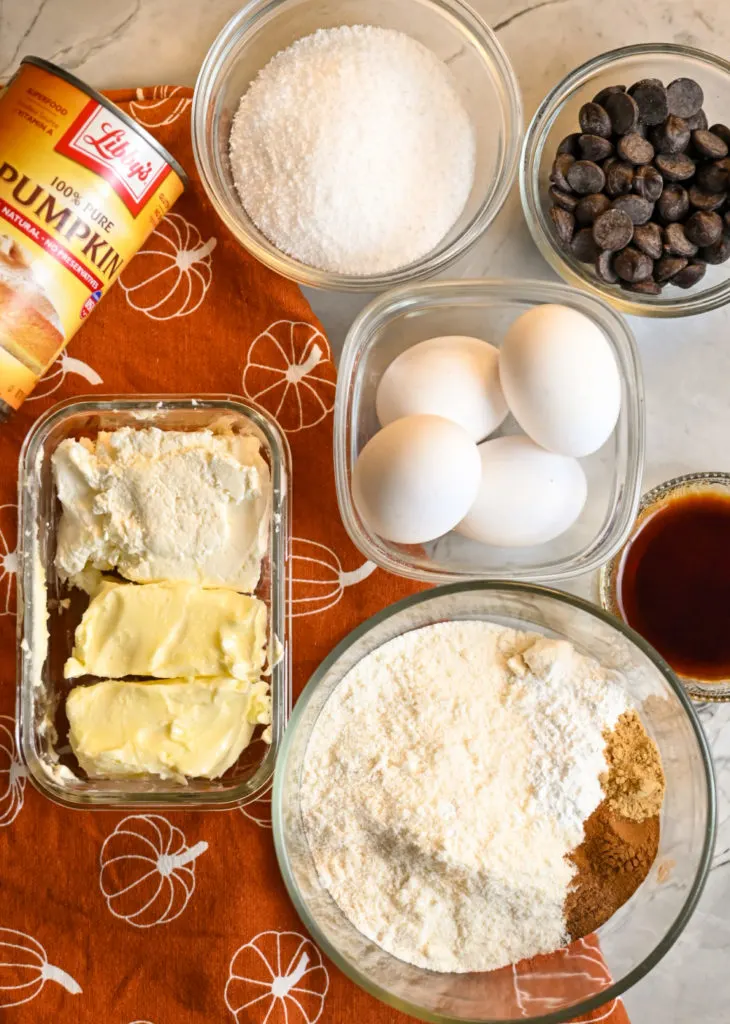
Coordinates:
(91, 928)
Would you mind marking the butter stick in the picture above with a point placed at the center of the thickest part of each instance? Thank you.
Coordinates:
(168, 630)
(184, 727)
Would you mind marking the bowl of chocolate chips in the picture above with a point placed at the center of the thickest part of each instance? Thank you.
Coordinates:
(625, 179)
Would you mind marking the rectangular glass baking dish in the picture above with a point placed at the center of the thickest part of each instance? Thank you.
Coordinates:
(44, 602)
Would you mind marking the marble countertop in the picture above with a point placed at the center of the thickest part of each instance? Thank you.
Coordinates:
(686, 362)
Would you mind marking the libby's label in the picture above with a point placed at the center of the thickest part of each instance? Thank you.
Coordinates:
(80, 191)
(106, 145)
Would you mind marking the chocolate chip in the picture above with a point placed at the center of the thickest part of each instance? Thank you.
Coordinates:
(675, 168)
(713, 177)
(668, 266)
(650, 97)
(672, 136)
(619, 178)
(610, 90)
(648, 238)
(591, 207)
(623, 111)
(564, 223)
(613, 230)
(565, 199)
(635, 149)
(595, 147)
(684, 97)
(585, 177)
(583, 247)
(698, 120)
(718, 252)
(594, 120)
(648, 183)
(703, 228)
(616, 186)
(709, 201)
(632, 265)
(639, 210)
(604, 267)
(690, 276)
(676, 242)
(647, 287)
(709, 145)
(673, 203)
(722, 131)
(569, 145)
(560, 168)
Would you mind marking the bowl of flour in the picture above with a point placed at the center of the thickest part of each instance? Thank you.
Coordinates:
(357, 145)
(482, 797)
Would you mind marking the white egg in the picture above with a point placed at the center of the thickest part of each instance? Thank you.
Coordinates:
(560, 379)
(527, 495)
(416, 479)
(455, 377)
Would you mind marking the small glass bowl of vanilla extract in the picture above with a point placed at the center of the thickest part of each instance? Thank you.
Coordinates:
(671, 580)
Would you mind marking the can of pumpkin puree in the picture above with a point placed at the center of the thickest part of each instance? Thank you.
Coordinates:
(81, 187)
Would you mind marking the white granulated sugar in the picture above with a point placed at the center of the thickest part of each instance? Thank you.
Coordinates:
(446, 780)
(352, 150)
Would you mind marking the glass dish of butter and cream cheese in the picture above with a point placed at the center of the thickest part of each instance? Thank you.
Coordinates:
(161, 565)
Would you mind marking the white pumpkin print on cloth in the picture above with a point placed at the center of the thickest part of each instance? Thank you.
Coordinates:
(149, 108)
(289, 371)
(318, 579)
(277, 978)
(536, 993)
(8, 557)
(147, 870)
(64, 365)
(170, 277)
(13, 774)
(24, 969)
(258, 807)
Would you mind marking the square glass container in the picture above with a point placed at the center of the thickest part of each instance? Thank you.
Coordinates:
(45, 603)
(485, 309)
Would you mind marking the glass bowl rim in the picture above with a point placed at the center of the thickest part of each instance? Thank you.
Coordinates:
(661, 948)
(280, 616)
(493, 54)
(536, 136)
(385, 306)
(698, 690)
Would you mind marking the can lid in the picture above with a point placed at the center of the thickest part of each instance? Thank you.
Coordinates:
(53, 69)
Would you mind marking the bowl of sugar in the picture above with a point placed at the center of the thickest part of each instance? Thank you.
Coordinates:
(360, 145)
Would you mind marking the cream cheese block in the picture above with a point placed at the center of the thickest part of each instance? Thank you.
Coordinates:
(164, 504)
(166, 630)
(184, 727)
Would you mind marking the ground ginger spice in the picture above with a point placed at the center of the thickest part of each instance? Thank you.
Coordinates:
(622, 834)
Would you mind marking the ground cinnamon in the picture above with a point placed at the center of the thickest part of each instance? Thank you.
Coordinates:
(622, 835)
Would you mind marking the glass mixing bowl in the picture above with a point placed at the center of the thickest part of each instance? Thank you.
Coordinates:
(548, 989)
(485, 309)
(451, 29)
(557, 116)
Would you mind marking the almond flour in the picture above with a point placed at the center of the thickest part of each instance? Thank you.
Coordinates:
(446, 781)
